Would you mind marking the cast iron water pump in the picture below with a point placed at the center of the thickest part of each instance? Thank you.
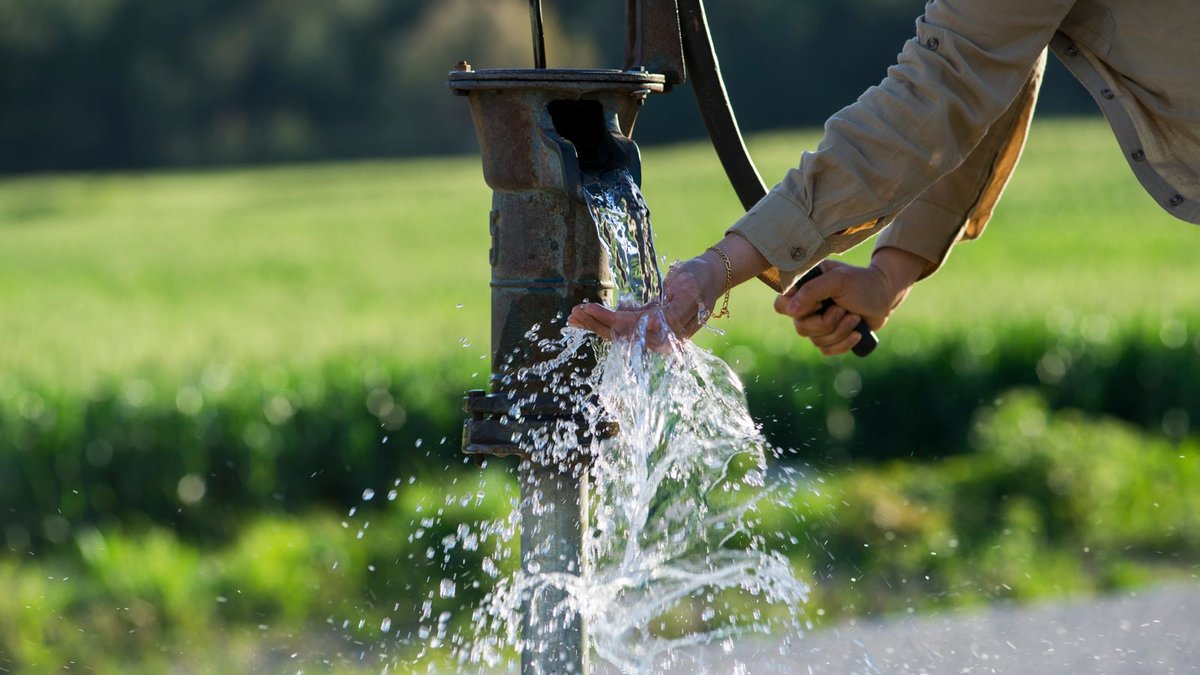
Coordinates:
(539, 130)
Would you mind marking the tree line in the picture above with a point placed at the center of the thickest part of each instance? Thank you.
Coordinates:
(141, 83)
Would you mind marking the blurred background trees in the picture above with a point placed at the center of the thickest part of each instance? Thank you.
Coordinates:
(139, 83)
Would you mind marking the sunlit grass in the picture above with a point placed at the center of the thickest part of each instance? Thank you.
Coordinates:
(101, 276)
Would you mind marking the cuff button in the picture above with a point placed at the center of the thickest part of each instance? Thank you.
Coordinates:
(798, 253)
(932, 44)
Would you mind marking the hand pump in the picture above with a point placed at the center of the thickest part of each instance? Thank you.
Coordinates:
(538, 128)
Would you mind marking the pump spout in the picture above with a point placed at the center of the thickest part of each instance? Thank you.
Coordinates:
(538, 128)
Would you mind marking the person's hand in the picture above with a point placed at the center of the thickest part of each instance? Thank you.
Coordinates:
(861, 293)
(688, 287)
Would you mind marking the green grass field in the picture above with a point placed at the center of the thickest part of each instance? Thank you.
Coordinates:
(104, 276)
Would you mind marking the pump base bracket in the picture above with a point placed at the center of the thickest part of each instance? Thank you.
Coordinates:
(492, 430)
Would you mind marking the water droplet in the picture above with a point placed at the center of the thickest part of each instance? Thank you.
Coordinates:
(447, 588)
(368, 495)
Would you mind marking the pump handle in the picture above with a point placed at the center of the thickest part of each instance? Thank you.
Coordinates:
(539, 34)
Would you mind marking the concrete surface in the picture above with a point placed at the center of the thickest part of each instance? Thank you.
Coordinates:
(1155, 630)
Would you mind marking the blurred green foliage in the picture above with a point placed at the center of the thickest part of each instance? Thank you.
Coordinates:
(305, 591)
(198, 457)
(919, 405)
(135, 83)
(1048, 503)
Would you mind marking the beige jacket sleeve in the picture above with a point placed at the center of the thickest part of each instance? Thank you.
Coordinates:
(960, 204)
(968, 63)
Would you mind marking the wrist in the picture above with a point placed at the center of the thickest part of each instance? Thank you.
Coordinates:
(901, 269)
(746, 260)
(715, 277)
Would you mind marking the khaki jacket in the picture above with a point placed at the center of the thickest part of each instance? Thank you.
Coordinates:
(927, 153)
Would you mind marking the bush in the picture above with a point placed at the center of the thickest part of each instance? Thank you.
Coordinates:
(919, 402)
(198, 456)
(1049, 504)
(201, 455)
(308, 587)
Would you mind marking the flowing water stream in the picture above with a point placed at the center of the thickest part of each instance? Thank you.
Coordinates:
(623, 225)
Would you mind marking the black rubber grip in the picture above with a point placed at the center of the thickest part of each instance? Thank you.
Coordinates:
(869, 340)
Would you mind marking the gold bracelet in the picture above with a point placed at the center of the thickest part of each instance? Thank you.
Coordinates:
(728, 283)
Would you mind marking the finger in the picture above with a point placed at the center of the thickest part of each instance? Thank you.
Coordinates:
(590, 324)
(781, 302)
(817, 325)
(844, 346)
(807, 299)
(596, 312)
(588, 318)
(683, 318)
(626, 323)
(658, 330)
(842, 331)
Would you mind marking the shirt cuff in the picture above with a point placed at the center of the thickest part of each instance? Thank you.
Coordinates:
(924, 229)
(784, 234)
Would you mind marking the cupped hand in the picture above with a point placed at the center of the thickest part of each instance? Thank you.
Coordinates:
(689, 292)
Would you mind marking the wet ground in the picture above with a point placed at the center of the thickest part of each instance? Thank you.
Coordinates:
(1150, 631)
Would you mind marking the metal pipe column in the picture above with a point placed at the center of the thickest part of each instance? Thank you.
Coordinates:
(539, 132)
(554, 508)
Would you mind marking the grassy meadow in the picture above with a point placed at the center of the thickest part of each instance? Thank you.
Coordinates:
(103, 276)
(202, 371)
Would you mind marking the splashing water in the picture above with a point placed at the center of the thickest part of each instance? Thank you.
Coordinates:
(673, 556)
(675, 495)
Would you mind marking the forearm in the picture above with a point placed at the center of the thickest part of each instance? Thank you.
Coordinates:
(970, 59)
(746, 262)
